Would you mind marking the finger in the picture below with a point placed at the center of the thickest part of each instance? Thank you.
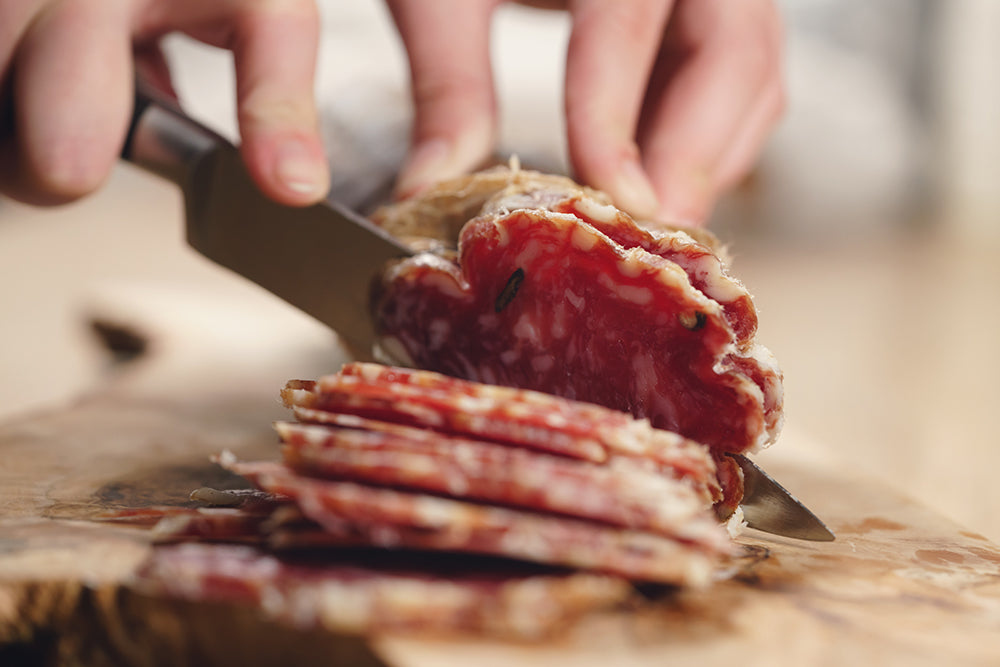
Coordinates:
(72, 83)
(611, 51)
(742, 154)
(14, 20)
(454, 126)
(720, 56)
(274, 46)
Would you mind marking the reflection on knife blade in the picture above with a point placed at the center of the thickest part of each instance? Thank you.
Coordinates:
(769, 507)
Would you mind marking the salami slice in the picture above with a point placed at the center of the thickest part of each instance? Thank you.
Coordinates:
(491, 413)
(393, 519)
(353, 597)
(557, 292)
(623, 494)
(214, 525)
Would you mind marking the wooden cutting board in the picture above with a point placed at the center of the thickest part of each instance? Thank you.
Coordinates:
(900, 585)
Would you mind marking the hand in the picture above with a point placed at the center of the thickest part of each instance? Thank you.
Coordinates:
(66, 77)
(667, 103)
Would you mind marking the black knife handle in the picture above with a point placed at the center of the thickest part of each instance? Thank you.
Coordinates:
(141, 101)
(163, 139)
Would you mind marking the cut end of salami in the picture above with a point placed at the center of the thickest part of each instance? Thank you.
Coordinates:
(551, 288)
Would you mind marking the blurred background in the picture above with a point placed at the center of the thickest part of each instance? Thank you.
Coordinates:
(868, 233)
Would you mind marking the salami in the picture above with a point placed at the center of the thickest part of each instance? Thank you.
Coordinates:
(347, 594)
(702, 265)
(623, 494)
(581, 381)
(435, 218)
(554, 290)
(496, 414)
(391, 518)
(396, 479)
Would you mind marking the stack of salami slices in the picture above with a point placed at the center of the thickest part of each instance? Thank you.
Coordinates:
(409, 500)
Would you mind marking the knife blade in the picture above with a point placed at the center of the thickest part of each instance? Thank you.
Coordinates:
(769, 507)
(321, 259)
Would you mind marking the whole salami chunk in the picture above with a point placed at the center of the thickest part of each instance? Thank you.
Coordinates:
(554, 290)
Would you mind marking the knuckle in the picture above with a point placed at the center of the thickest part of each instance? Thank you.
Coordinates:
(252, 15)
(750, 31)
(304, 8)
(627, 22)
(765, 29)
(261, 108)
(459, 90)
(758, 53)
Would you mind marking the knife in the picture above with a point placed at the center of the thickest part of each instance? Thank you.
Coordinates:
(769, 507)
(323, 258)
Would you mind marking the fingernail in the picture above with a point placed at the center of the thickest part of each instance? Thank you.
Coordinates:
(634, 192)
(300, 170)
(428, 162)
